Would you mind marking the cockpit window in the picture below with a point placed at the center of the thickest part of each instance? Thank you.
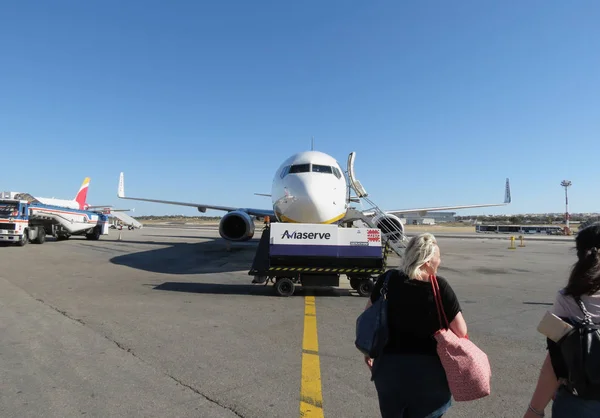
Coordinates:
(321, 169)
(315, 168)
(300, 168)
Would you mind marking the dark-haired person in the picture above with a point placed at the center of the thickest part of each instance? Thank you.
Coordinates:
(584, 282)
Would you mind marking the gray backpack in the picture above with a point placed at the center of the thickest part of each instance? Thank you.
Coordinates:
(580, 351)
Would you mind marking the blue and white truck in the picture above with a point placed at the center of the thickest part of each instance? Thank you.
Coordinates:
(23, 221)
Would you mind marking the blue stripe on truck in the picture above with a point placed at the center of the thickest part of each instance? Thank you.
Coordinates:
(326, 250)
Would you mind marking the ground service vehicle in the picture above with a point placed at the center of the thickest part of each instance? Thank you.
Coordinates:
(316, 255)
(23, 221)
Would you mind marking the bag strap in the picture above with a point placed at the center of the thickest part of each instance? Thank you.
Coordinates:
(384, 286)
(435, 299)
(587, 317)
(438, 302)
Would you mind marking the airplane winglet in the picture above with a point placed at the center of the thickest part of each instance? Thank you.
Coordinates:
(507, 198)
(121, 191)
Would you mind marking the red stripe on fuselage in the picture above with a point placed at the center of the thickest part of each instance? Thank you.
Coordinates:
(64, 211)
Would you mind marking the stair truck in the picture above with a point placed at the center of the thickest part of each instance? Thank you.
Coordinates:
(315, 255)
(23, 221)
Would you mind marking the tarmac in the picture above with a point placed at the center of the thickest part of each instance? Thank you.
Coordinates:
(166, 323)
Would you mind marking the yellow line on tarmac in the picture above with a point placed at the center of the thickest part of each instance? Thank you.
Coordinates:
(311, 398)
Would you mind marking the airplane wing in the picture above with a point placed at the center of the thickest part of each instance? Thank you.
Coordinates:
(423, 211)
(201, 206)
(109, 209)
(106, 207)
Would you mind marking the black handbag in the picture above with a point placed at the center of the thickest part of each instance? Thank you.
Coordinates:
(372, 331)
(580, 350)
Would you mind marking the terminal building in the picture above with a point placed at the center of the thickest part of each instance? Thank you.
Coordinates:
(430, 218)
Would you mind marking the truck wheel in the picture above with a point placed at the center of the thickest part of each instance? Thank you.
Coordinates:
(365, 287)
(284, 287)
(354, 283)
(25, 239)
(95, 234)
(41, 236)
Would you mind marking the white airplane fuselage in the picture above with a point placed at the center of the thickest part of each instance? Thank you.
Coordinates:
(309, 187)
(71, 204)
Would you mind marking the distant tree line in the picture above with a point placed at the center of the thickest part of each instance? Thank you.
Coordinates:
(174, 217)
(534, 218)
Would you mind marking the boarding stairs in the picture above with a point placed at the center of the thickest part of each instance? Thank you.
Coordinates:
(392, 235)
(126, 219)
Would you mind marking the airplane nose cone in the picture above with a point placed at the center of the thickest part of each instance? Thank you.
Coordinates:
(314, 204)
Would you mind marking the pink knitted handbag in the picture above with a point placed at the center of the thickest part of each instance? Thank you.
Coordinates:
(467, 367)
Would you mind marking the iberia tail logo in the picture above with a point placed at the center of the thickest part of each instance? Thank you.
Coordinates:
(81, 196)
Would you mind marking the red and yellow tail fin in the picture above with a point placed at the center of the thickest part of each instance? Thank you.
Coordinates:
(81, 196)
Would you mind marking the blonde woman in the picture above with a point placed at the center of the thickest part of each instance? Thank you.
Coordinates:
(408, 376)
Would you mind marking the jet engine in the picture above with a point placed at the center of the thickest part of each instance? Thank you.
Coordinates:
(236, 226)
(390, 224)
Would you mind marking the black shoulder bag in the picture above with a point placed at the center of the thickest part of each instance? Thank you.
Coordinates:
(372, 331)
(580, 349)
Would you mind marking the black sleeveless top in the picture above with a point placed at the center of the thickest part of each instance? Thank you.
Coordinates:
(412, 315)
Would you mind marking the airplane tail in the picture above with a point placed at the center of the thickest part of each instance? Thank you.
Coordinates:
(81, 196)
(507, 198)
(121, 191)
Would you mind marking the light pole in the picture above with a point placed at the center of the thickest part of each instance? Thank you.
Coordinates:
(566, 184)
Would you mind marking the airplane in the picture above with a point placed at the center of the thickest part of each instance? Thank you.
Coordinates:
(79, 202)
(308, 187)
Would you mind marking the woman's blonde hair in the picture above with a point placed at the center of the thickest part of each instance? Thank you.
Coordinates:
(420, 249)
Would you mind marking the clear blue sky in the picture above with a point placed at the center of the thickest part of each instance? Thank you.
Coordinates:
(201, 101)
